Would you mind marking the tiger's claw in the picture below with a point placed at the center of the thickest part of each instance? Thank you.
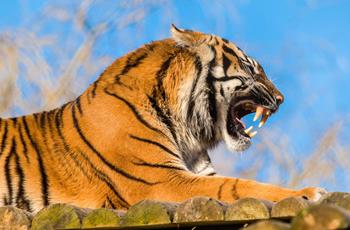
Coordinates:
(313, 193)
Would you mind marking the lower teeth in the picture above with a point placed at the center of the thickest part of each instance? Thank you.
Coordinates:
(253, 134)
(249, 132)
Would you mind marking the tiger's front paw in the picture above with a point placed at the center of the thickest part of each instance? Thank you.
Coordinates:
(312, 193)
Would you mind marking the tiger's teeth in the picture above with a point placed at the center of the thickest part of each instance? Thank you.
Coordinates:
(264, 119)
(253, 134)
(259, 111)
(247, 131)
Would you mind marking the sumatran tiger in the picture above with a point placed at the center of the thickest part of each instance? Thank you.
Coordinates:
(142, 131)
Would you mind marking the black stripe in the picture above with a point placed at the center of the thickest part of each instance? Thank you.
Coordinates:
(14, 119)
(226, 63)
(239, 49)
(25, 148)
(135, 112)
(61, 111)
(78, 104)
(234, 190)
(225, 40)
(21, 200)
(4, 138)
(44, 178)
(110, 203)
(104, 160)
(161, 73)
(156, 144)
(163, 117)
(220, 189)
(230, 51)
(57, 115)
(43, 120)
(36, 118)
(121, 83)
(94, 87)
(156, 165)
(50, 116)
(222, 91)
(226, 78)
(132, 62)
(58, 120)
(212, 91)
(58, 125)
(199, 67)
(211, 37)
(9, 176)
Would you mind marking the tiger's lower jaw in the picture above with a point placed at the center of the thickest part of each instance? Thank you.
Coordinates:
(234, 132)
(237, 143)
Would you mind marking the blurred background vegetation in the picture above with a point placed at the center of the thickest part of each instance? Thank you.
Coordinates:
(50, 51)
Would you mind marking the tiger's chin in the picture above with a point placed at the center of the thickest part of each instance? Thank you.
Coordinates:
(235, 133)
(237, 144)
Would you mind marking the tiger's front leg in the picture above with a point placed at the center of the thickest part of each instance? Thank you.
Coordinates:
(182, 186)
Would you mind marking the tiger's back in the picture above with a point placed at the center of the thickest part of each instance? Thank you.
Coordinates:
(141, 131)
(45, 156)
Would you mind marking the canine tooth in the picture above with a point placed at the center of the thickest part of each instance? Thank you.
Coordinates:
(263, 120)
(247, 131)
(259, 111)
(253, 134)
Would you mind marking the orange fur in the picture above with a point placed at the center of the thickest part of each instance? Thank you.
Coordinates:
(111, 148)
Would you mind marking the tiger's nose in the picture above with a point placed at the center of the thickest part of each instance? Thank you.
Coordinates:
(279, 99)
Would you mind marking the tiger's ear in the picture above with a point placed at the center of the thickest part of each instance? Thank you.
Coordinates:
(188, 37)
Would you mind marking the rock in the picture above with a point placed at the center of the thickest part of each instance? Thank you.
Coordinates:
(323, 216)
(248, 209)
(59, 216)
(14, 218)
(149, 212)
(289, 207)
(268, 225)
(341, 199)
(199, 209)
(102, 217)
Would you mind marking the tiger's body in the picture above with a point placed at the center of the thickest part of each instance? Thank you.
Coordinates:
(142, 131)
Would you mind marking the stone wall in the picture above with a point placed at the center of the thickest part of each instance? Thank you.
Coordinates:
(331, 212)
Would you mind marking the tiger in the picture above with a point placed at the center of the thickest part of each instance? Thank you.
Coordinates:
(143, 129)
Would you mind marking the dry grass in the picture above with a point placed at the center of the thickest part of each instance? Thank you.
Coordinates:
(54, 72)
(36, 73)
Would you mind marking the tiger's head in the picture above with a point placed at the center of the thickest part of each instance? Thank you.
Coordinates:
(226, 86)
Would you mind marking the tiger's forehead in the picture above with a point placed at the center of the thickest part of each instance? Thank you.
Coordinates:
(235, 54)
(224, 43)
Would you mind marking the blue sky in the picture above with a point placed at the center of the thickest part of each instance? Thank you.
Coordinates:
(303, 46)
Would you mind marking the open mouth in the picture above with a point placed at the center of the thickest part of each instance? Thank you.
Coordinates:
(236, 127)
